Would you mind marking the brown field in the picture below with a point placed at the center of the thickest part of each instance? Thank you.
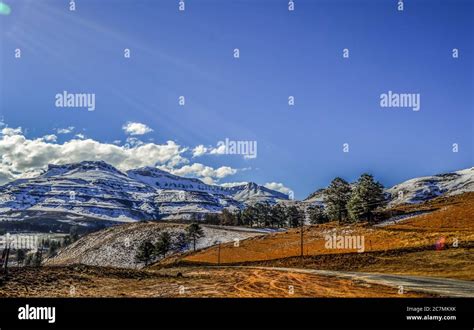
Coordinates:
(403, 248)
(450, 263)
(87, 281)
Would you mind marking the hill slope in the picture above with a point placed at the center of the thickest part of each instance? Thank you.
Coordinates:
(116, 246)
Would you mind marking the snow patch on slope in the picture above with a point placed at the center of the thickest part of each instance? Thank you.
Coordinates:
(117, 246)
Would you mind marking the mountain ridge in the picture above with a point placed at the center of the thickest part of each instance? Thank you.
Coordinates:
(98, 190)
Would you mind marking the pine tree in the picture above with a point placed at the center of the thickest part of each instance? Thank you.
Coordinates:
(53, 248)
(73, 233)
(263, 214)
(211, 218)
(20, 256)
(227, 218)
(181, 242)
(194, 232)
(249, 216)
(145, 252)
(238, 218)
(317, 215)
(277, 215)
(367, 196)
(337, 196)
(38, 257)
(163, 245)
(29, 259)
(66, 240)
(295, 216)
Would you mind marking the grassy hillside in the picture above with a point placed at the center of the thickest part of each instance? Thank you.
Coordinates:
(406, 247)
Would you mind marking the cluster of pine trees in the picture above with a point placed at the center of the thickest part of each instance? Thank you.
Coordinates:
(259, 215)
(148, 251)
(343, 202)
(358, 203)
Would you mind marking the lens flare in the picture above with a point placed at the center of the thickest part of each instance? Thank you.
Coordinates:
(439, 245)
(4, 9)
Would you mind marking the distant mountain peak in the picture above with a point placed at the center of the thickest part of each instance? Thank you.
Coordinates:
(96, 190)
(88, 165)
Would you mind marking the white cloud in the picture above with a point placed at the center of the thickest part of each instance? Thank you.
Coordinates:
(199, 151)
(22, 157)
(11, 131)
(205, 173)
(224, 171)
(220, 150)
(208, 180)
(132, 142)
(136, 128)
(50, 138)
(80, 136)
(277, 187)
(202, 150)
(65, 130)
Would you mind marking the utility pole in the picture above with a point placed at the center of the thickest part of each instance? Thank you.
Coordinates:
(301, 239)
(6, 261)
(2, 261)
(218, 251)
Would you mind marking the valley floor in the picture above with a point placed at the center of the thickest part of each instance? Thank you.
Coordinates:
(230, 282)
(430, 254)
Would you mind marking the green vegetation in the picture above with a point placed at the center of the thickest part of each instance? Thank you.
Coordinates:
(367, 196)
(193, 233)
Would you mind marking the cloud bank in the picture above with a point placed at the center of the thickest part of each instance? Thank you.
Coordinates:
(22, 157)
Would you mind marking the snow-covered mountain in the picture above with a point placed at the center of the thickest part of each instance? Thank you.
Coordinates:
(95, 190)
(420, 189)
(247, 193)
(316, 197)
(424, 188)
(251, 193)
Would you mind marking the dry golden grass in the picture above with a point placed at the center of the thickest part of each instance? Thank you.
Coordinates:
(450, 219)
(56, 281)
(451, 263)
(451, 214)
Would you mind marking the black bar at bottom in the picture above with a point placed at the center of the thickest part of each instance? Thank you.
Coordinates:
(196, 313)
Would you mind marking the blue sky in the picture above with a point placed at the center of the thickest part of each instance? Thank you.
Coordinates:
(282, 53)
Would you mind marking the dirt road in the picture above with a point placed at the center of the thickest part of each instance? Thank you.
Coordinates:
(433, 285)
